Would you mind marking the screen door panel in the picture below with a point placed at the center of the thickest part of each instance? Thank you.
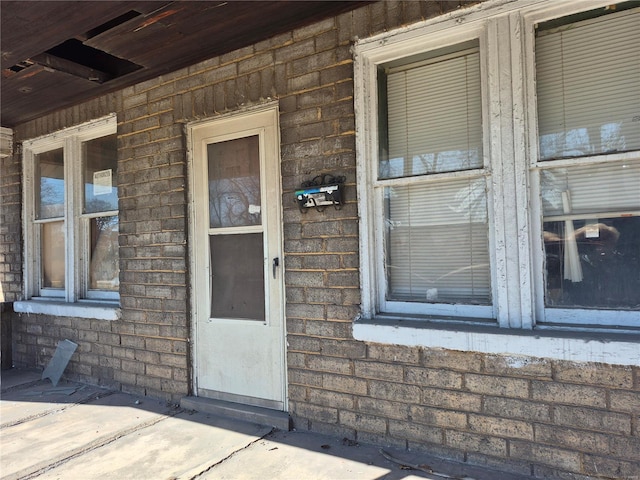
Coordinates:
(237, 276)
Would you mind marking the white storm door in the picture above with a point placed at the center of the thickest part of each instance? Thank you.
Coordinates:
(238, 273)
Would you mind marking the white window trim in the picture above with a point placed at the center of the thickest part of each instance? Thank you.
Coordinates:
(103, 305)
(504, 29)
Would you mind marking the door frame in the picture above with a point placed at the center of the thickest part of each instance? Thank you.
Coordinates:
(195, 243)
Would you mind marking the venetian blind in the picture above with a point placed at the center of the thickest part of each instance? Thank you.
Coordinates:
(592, 189)
(588, 86)
(434, 116)
(437, 238)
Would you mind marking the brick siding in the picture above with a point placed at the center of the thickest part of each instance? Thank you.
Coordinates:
(10, 228)
(525, 415)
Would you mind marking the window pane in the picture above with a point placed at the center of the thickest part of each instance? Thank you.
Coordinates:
(104, 268)
(591, 188)
(100, 163)
(237, 276)
(53, 255)
(588, 86)
(49, 184)
(592, 236)
(234, 182)
(437, 243)
(433, 117)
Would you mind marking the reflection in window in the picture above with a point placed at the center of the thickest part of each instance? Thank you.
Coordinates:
(430, 115)
(100, 163)
(592, 235)
(587, 78)
(234, 183)
(53, 256)
(104, 269)
(593, 263)
(50, 184)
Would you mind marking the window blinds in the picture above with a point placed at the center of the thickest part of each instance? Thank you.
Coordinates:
(588, 86)
(434, 117)
(613, 187)
(437, 238)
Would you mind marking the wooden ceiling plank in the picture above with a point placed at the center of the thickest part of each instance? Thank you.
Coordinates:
(33, 27)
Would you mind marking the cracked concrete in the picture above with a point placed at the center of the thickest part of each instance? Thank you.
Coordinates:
(76, 431)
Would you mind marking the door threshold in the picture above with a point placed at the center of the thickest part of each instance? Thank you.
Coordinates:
(238, 411)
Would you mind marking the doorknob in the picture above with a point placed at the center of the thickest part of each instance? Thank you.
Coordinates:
(276, 263)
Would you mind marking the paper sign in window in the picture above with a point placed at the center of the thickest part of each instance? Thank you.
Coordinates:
(102, 182)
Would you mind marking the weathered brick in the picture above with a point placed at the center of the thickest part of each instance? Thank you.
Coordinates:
(553, 456)
(133, 367)
(592, 419)
(592, 374)
(415, 431)
(335, 399)
(452, 399)
(501, 427)
(159, 371)
(330, 364)
(471, 442)
(554, 392)
(517, 366)
(305, 377)
(393, 391)
(363, 422)
(303, 344)
(383, 408)
(511, 408)
(621, 401)
(381, 371)
(297, 392)
(604, 467)
(507, 387)
(451, 360)
(438, 417)
(326, 329)
(433, 378)
(340, 383)
(317, 412)
(393, 353)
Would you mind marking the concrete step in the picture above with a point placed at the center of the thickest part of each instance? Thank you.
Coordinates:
(238, 411)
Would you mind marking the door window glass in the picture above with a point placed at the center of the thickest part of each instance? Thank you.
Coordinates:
(234, 183)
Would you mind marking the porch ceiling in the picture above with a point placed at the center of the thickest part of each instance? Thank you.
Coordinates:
(58, 54)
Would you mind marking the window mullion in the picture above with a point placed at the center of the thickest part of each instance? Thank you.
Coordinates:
(518, 82)
(509, 183)
(71, 155)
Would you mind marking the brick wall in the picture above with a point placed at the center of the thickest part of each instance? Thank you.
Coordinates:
(526, 415)
(10, 250)
(10, 228)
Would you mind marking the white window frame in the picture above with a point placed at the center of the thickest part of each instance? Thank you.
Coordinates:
(76, 299)
(505, 31)
(544, 315)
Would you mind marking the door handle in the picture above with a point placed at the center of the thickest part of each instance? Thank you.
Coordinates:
(276, 263)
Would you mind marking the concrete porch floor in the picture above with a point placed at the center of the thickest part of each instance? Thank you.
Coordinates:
(76, 431)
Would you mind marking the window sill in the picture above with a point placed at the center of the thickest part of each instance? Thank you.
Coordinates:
(561, 344)
(95, 310)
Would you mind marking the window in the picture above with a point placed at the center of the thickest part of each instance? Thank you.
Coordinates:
(71, 214)
(588, 99)
(499, 174)
(432, 181)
